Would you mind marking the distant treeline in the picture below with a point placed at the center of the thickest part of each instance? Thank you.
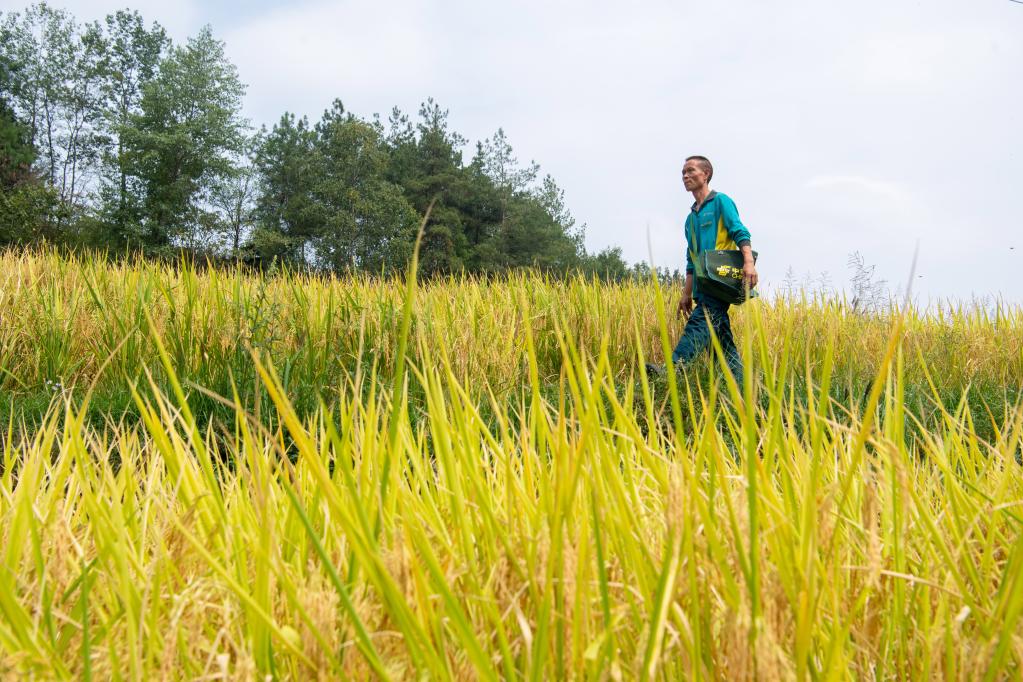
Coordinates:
(114, 138)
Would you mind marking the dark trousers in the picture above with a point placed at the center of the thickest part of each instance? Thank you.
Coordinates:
(708, 312)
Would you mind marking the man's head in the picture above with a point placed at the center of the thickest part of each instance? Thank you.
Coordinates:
(696, 172)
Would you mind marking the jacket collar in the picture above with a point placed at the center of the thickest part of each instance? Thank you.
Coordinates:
(706, 201)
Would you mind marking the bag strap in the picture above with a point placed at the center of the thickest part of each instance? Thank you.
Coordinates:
(694, 243)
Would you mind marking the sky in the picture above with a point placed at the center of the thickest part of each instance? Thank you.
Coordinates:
(886, 128)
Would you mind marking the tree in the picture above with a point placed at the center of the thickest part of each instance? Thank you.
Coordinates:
(552, 199)
(534, 227)
(497, 161)
(55, 91)
(608, 265)
(482, 214)
(16, 153)
(129, 59)
(367, 224)
(530, 238)
(114, 137)
(233, 197)
(25, 202)
(426, 162)
(286, 213)
(183, 141)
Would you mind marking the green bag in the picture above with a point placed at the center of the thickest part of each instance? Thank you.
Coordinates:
(719, 274)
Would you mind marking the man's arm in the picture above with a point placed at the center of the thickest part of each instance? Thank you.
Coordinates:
(749, 268)
(738, 232)
(685, 305)
(690, 247)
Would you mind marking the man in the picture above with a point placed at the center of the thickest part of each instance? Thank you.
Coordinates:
(713, 223)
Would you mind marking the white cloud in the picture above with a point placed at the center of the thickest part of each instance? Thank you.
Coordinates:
(300, 57)
(934, 60)
(180, 18)
(871, 187)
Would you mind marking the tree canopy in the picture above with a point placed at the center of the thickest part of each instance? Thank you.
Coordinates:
(114, 137)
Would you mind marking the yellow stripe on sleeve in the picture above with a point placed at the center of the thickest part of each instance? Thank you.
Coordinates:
(723, 240)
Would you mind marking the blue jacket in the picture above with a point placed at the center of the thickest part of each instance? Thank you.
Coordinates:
(715, 226)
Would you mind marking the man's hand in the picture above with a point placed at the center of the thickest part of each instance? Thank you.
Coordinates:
(749, 268)
(685, 304)
(749, 274)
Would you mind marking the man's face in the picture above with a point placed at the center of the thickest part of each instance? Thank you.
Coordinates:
(693, 175)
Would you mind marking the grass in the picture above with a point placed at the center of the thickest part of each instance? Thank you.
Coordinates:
(304, 477)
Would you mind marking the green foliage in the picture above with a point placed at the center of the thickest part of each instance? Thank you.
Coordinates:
(55, 91)
(343, 194)
(233, 198)
(183, 141)
(286, 213)
(608, 264)
(25, 203)
(159, 126)
(366, 223)
(16, 151)
(25, 209)
(130, 60)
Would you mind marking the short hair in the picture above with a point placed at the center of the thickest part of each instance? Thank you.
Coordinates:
(704, 164)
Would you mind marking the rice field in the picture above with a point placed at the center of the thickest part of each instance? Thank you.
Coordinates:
(220, 474)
